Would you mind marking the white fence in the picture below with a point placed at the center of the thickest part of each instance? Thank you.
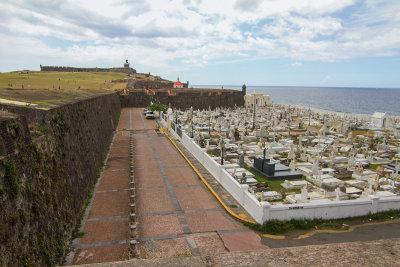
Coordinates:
(264, 211)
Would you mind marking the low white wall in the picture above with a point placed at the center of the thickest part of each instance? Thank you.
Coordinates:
(385, 204)
(264, 211)
(328, 210)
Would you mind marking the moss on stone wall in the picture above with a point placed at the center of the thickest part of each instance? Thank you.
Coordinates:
(48, 168)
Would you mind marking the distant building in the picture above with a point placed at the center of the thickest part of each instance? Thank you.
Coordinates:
(257, 98)
(379, 120)
(178, 84)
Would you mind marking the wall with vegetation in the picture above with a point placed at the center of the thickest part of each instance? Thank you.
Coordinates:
(49, 163)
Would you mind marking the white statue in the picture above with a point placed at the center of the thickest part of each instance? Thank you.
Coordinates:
(315, 167)
(337, 190)
(292, 165)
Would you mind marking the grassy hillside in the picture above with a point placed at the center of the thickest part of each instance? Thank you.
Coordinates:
(51, 88)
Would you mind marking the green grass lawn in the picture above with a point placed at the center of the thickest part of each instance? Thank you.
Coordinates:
(361, 132)
(275, 185)
(66, 80)
(281, 227)
(43, 87)
(374, 166)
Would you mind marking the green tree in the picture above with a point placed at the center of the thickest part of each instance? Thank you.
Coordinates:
(159, 107)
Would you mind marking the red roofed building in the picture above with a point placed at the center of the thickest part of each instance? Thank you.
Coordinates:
(178, 84)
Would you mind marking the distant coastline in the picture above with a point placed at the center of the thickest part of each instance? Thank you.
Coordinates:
(354, 100)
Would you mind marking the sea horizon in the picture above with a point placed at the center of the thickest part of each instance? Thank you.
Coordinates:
(237, 87)
(357, 100)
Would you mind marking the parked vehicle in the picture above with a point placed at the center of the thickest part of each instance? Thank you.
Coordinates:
(150, 115)
(144, 111)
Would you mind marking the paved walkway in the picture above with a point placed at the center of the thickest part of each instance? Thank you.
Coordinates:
(176, 214)
(371, 253)
(106, 228)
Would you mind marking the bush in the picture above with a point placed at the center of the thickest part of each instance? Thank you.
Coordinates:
(11, 179)
(159, 107)
(43, 129)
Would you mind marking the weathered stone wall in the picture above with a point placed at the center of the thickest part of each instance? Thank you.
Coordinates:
(49, 163)
(185, 99)
(73, 69)
(142, 84)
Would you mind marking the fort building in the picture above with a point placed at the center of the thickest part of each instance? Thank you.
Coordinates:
(126, 69)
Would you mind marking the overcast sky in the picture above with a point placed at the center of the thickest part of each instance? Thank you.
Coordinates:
(225, 42)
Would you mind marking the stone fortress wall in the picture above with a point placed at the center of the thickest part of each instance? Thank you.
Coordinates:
(49, 163)
(141, 84)
(74, 69)
(184, 99)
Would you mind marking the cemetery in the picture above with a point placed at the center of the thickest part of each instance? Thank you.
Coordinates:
(282, 162)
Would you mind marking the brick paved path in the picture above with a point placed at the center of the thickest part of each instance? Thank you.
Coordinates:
(176, 214)
(107, 225)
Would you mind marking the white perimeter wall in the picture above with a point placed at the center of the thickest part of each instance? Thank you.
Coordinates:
(263, 211)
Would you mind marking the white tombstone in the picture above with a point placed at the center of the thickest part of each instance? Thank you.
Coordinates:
(231, 135)
(350, 136)
(169, 118)
(292, 165)
(337, 190)
(304, 194)
(291, 154)
(315, 167)
(370, 184)
(351, 162)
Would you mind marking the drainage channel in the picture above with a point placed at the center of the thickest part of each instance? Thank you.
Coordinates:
(133, 222)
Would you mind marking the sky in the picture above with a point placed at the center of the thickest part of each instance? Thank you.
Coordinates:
(344, 43)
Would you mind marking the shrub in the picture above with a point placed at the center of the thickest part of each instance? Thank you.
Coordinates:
(43, 129)
(11, 179)
(159, 107)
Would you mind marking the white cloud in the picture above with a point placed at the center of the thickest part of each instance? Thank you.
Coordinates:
(195, 32)
(297, 64)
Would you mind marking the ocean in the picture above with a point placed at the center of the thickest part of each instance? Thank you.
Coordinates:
(342, 99)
